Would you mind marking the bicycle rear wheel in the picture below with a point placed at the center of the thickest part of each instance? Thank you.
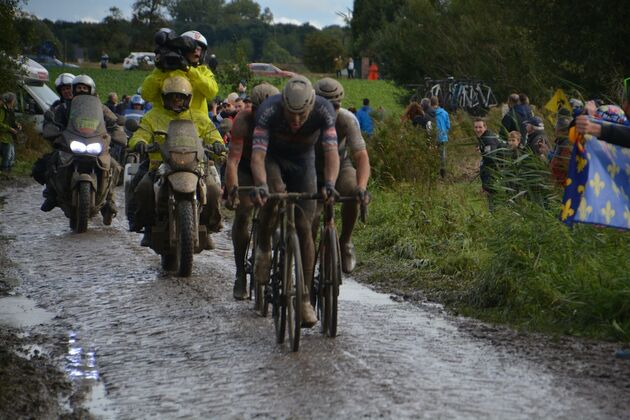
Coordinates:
(293, 290)
(332, 281)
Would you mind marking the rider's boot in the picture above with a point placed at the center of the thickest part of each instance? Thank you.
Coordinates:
(209, 242)
(50, 201)
(240, 289)
(348, 258)
(309, 317)
(262, 265)
(146, 239)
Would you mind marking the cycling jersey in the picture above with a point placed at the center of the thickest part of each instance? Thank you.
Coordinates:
(273, 133)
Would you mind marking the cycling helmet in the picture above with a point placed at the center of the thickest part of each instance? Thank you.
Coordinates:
(298, 95)
(83, 79)
(137, 100)
(330, 89)
(173, 87)
(610, 113)
(63, 79)
(261, 92)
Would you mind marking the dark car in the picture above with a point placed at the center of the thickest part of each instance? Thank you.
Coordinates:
(48, 61)
(269, 70)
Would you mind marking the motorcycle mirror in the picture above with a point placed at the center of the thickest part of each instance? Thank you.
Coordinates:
(131, 125)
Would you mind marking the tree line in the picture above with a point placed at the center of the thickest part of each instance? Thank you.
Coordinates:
(527, 46)
(228, 27)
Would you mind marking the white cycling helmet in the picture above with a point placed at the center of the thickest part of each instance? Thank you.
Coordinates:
(63, 79)
(84, 79)
(197, 37)
(137, 100)
(330, 89)
(298, 95)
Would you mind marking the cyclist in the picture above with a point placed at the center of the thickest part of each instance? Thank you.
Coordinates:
(176, 97)
(350, 181)
(238, 173)
(283, 155)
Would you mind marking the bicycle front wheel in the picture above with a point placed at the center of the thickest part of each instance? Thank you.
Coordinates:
(293, 290)
(332, 269)
(278, 307)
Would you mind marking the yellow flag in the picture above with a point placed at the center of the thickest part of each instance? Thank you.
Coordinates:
(557, 101)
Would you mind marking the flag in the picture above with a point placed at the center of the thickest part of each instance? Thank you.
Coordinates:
(556, 103)
(597, 189)
(558, 100)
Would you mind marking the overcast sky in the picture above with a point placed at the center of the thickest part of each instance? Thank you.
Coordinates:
(319, 13)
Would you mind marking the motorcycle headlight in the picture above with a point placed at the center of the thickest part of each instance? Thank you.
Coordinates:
(183, 158)
(94, 149)
(78, 147)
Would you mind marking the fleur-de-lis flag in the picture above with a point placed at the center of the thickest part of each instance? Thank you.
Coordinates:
(597, 189)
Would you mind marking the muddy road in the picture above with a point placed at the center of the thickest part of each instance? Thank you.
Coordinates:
(149, 344)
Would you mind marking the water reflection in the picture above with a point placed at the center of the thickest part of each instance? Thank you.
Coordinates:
(80, 364)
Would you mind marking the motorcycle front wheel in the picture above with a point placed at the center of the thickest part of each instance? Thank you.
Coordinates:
(185, 237)
(83, 206)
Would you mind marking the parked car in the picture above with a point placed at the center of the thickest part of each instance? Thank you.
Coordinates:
(34, 96)
(139, 60)
(48, 61)
(269, 70)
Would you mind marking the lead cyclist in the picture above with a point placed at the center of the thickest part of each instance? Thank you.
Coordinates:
(283, 159)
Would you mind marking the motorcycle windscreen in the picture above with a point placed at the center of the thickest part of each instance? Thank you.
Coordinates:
(182, 149)
(86, 117)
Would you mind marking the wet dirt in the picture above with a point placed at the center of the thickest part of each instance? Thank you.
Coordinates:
(143, 343)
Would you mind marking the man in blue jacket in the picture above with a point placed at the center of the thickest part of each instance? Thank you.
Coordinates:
(443, 124)
(365, 118)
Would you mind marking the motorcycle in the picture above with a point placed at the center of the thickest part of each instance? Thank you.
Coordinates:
(84, 175)
(180, 194)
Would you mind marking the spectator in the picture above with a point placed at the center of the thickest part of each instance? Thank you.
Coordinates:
(511, 120)
(238, 104)
(242, 89)
(514, 141)
(338, 63)
(536, 137)
(353, 110)
(350, 68)
(523, 109)
(364, 115)
(412, 111)
(8, 130)
(122, 105)
(562, 148)
(213, 63)
(489, 143)
(104, 61)
(247, 103)
(443, 125)
(112, 101)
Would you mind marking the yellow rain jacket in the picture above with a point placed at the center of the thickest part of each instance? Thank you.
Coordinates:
(205, 87)
(157, 119)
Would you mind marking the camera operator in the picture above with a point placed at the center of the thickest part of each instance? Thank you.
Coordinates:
(185, 56)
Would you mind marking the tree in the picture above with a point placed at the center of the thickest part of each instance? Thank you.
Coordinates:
(241, 10)
(9, 45)
(267, 16)
(192, 12)
(150, 12)
(320, 50)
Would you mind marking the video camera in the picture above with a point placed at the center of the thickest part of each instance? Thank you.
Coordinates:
(170, 50)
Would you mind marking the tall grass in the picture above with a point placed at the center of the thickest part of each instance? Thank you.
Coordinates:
(517, 264)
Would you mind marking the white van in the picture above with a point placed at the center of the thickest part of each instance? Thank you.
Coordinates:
(34, 96)
(141, 60)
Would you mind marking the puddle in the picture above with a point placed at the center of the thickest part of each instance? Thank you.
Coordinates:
(352, 291)
(19, 312)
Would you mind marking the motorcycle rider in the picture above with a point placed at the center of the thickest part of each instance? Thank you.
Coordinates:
(175, 105)
(238, 173)
(81, 85)
(350, 181)
(63, 85)
(283, 154)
